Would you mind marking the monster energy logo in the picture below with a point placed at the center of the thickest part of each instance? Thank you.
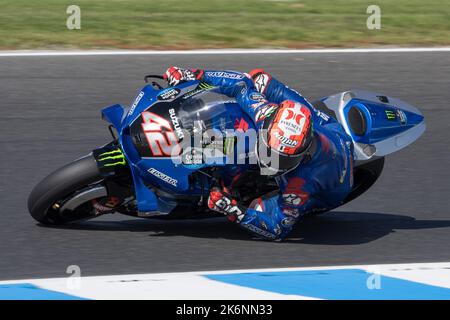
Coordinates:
(205, 86)
(390, 115)
(116, 156)
(228, 145)
(201, 88)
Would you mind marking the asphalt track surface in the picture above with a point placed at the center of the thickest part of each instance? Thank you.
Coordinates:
(50, 115)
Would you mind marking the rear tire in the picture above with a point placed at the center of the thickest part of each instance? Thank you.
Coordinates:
(59, 185)
(364, 177)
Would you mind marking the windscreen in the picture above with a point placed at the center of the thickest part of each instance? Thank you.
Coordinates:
(165, 126)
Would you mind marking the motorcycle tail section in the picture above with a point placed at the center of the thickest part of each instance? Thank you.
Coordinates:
(378, 124)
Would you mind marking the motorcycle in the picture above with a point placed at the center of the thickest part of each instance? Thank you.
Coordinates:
(149, 170)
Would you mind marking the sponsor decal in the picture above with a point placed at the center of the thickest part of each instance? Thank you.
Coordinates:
(257, 97)
(292, 122)
(228, 145)
(135, 103)
(163, 177)
(112, 158)
(402, 117)
(390, 115)
(228, 206)
(261, 82)
(285, 140)
(202, 87)
(176, 123)
(259, 231)
(265, 111)
(189, 74)
(192, 93)
(205, 86)
(224, 74)
(168, 94)
(193, 156)
(216, 145)
(322, 115)
(290, 126)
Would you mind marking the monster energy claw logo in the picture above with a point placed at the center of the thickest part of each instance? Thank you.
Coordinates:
(228, 145)
(205, 86)
(116, 157)
(390, 115)
(202, 87)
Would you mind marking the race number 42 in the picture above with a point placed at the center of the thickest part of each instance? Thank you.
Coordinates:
(160, 135)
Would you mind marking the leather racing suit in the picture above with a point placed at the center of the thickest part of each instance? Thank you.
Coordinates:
(319, 184)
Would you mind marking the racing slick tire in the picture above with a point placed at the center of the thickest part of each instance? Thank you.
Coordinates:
(364, 177)
(58, 185)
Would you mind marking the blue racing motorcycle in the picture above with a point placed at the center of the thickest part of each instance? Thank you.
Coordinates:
(156, 168)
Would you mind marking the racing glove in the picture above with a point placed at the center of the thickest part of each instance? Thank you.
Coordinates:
(260, 79)
(221, 201)
(175, 75)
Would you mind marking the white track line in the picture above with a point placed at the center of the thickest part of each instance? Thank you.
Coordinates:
(214, 52)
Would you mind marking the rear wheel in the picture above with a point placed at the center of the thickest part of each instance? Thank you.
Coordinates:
(66, 195)
(365, 176)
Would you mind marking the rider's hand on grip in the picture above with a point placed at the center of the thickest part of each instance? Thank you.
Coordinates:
(175, 75)
(221, 201)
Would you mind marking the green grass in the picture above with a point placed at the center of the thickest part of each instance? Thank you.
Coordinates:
(157, 24)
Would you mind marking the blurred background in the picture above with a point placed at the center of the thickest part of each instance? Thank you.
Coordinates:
(188, 24)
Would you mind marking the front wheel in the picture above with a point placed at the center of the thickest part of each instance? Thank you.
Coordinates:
(52, 201)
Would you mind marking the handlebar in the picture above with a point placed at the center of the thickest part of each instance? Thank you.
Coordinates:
(155, 84)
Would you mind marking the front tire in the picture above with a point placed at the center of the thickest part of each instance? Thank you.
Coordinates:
(43, 199)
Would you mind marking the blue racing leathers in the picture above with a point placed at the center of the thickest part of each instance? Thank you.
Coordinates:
(319, 184)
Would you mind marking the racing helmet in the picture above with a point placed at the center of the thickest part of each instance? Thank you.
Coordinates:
(287, 134)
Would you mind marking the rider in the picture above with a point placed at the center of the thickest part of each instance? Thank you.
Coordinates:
(315, 169)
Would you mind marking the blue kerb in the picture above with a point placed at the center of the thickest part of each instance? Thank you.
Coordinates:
(28, 291)
(334, 284)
